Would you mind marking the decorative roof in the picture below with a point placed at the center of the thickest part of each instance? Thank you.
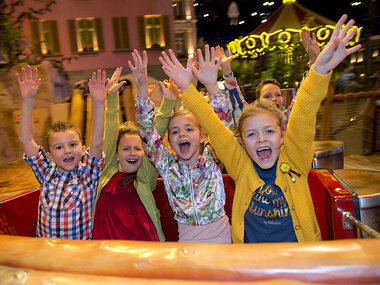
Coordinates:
(290, 15)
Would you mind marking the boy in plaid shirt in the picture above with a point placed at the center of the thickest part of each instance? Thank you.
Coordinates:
(68, 186)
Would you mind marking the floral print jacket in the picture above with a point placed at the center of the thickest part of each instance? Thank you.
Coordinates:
(195, 193)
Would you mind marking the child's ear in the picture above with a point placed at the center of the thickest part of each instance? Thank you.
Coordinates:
(83, 150)
(282, 137)
(240, 141)
(51, 158)
(203, 137)
(117, 156)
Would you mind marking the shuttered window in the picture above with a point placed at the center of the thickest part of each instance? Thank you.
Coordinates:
(86, 35)
(154, 31)
(45, 38)
(120, 32)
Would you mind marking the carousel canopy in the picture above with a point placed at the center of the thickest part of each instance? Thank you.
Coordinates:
(291, 15)
(281, 31)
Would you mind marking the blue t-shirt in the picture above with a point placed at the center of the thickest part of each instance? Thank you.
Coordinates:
(268, 218)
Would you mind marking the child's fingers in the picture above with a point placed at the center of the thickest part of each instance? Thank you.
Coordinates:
(196, 72)
(18, 79)
(145, 58)
(163, 88)
(121, 84)
(213, 55)
(167, 60)
(174, 58)
(207, 53)
(166, 71)
(93, 77)
(23, 74)
(314, 38)
(130, 65)
(353, 49)
(104, 78)
(35, 74)
(137, 56)
(219, 63)
(349, 35)
(189, 63)
(338, 26)
(165, 64)
(346, 28)
(29, 72)
(200, 57)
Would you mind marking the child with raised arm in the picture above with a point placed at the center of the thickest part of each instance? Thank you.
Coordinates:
(272, 201)
(193, 181)
(67, 186)
(270, 89)
(124, 206)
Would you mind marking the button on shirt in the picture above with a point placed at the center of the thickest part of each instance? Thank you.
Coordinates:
(67, 198)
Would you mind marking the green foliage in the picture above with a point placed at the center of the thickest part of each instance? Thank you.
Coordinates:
(12, 39)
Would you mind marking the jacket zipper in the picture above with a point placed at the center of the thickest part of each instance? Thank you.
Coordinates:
(193, 197)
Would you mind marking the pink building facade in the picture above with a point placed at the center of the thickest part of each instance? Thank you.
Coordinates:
(101, 34)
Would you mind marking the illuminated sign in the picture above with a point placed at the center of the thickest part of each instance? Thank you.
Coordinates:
(253, 46)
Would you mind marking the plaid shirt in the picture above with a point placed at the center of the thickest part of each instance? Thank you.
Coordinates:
(67, 198)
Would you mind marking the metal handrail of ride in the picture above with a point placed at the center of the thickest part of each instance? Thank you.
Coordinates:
(360, 226)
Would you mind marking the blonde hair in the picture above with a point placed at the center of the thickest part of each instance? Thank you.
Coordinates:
(259, 107)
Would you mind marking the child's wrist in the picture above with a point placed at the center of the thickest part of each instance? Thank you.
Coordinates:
(212, 88)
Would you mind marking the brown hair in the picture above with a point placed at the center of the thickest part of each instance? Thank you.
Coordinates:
(264, 82)
(259, 107)
(61, 126)
(128, 128)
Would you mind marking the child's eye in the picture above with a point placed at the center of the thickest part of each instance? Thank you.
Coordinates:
(270, 131)
(251, 135)
(267, 97)
(278, 95)
(73, 144)
(126, 148)
(58, 147)
(174, 132)
(189, 129)
(138, 148)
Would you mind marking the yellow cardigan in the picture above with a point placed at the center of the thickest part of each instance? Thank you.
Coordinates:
(297, 152)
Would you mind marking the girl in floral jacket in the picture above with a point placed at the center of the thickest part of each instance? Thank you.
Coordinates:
(193, 181)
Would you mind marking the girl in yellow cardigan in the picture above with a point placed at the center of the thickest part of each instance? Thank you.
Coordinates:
(272, 201)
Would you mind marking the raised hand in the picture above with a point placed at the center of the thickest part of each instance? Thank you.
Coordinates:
(311, 45)
(175, 70)
(335, 51)
(98, 86)
(208, 69)
(226, 60)
(114, 81)
(29, 85)
(170, 89)
(139, 69)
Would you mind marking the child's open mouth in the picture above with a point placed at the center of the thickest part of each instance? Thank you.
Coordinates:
(264, 153)
(132, 161)
(184, 146)
(68, 159)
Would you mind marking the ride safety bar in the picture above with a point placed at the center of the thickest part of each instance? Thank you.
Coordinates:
(347, 217)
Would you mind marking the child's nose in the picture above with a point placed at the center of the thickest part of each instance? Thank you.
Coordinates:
(261, 137)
